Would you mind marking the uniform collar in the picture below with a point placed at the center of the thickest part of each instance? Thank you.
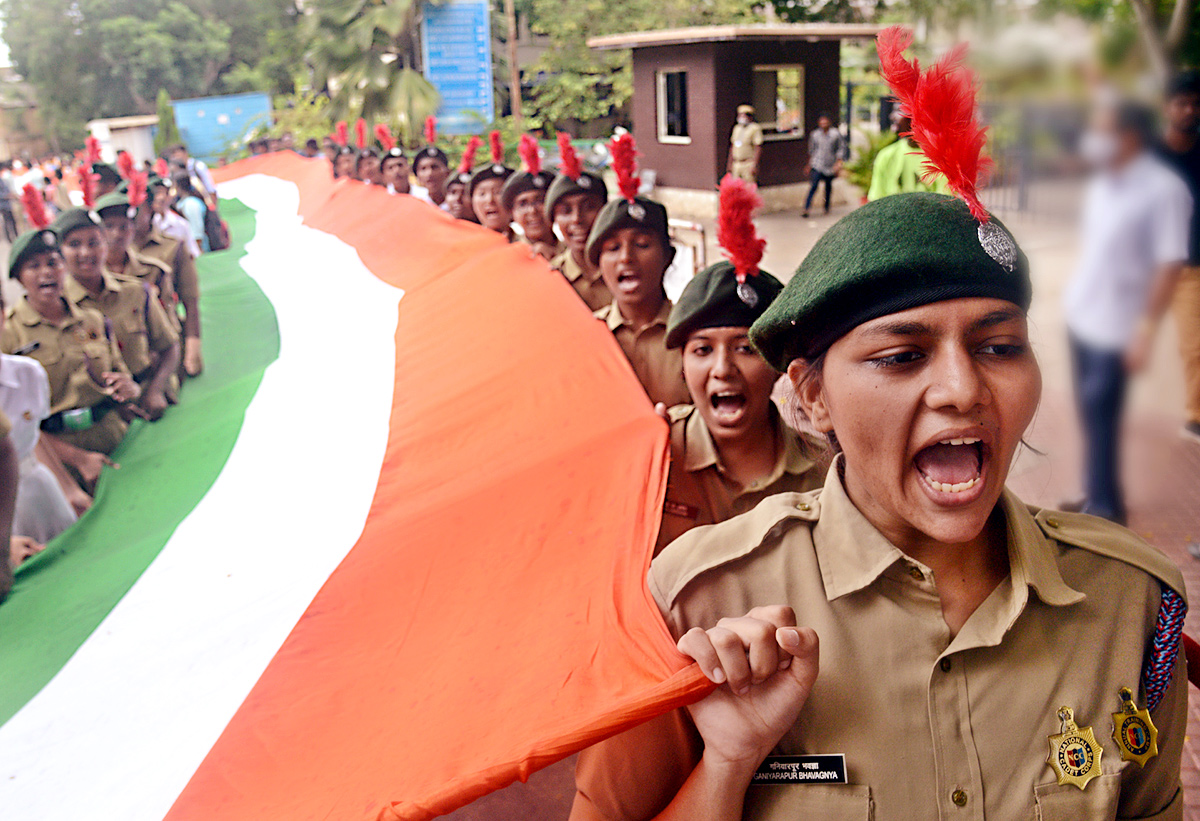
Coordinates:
(26, 314)
(853, 554)
(702, 450)
(75, 293)
(615, 320)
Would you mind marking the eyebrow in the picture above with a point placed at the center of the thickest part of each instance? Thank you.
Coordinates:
(922, 329)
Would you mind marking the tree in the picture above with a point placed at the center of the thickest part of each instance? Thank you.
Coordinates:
(168, 131)
(366, 55)
(578, 84)
(105, 58)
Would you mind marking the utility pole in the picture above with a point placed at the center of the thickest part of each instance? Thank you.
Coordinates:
(514, 71)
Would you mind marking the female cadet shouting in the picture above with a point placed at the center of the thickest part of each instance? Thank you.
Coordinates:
(729, 448)
(631, 246)
(89, 381)
(978, 658)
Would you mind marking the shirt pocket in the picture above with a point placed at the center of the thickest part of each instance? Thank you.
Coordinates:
(828, 802)
(1066, 802)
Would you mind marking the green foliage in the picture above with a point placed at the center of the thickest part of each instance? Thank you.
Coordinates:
(305, 114)
(105, 58)
(821, 11)
(168, 131)
(858, 170)
(365, 55)
(578, 84)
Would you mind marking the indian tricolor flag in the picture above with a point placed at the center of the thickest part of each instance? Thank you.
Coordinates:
(387, 555)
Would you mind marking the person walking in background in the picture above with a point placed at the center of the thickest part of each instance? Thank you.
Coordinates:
(1180, 149)
(826, 150)
(745, 146)
(900, 167)
(193, 209)
(1136, 214)
(7, 196)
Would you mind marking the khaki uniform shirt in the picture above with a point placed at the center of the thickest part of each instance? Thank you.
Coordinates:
(743, 141)
(5, 425)
(699, 492)
(158, 274)
(918, 715)
(171, 253)
(659, 369)
(591, 289)
(76, 353)
(138, 321)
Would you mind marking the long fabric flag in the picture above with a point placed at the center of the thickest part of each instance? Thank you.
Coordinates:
(387, 555)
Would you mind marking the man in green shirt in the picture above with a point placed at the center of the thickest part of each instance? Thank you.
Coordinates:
(898, 168)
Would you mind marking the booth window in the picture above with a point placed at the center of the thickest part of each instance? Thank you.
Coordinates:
(672, 107)
(779, 100)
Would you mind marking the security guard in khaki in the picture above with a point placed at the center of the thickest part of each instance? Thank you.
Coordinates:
(745, 145)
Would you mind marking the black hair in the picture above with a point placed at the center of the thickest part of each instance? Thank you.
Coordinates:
(1135, 118)
(1185, 82)
(313, 144)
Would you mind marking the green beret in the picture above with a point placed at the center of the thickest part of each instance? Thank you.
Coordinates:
(29, 245)
(107, 173)
(491, 171)
(431, 152)
(115, 203)
(711, 300)
(890, 255)
(523, 181)
(73, 219)
(564, 186)
(640, 213)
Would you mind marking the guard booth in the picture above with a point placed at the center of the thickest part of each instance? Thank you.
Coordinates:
(688, 83)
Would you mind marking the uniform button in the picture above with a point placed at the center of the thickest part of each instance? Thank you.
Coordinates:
(916, 573)
(1052, 523)
(959, 798)
(946, 665)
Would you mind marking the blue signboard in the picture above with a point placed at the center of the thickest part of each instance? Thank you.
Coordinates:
(213, 126)
(457, 44)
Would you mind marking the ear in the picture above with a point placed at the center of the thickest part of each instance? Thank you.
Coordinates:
(810, 393)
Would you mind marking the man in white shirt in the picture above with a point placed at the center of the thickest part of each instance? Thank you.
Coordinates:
(1136, 217)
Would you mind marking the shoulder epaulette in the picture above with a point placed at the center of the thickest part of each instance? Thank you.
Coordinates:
(1110, 540)
(704, 548)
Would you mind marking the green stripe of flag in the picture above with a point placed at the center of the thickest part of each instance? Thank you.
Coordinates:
(63, 594)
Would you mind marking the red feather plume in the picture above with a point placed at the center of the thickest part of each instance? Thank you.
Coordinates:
(497, 148)
(360, 133)
(87, 185)
(125, 164)
(430, 130)
(137, 188)
(735, 226)
(941, 102)
(624, 154)
(384, 135)
(162, 169)
(468, 157)
(35, 207)
(571, 165)
(341, 134)
(530, 154)
(93, 150)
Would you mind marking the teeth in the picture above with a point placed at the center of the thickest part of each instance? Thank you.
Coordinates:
(965, 441)
(945, 488)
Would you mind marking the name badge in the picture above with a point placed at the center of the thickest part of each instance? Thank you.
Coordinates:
(680, 509)
(801, 769)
